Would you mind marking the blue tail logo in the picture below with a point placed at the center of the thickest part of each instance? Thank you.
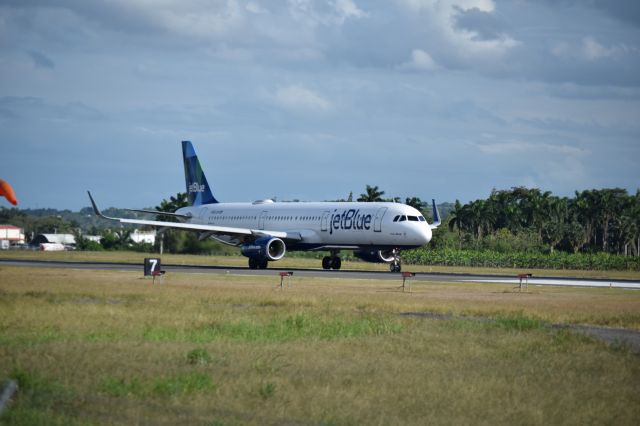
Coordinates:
(198, 189)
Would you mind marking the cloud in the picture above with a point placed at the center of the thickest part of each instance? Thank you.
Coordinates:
(529, 148)
(464, 30)
(40, 60)
(590, 49)
(254, 7)
(35, 109)
(627, 11)
(298, 98)
(593, 51)
(420, 61)
(348, 9)
(317, 12)
(484, 24)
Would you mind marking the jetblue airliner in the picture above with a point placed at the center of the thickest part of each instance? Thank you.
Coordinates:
(265, 230)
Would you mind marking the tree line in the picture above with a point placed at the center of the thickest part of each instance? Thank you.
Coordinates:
(515, 220)
(596, 220)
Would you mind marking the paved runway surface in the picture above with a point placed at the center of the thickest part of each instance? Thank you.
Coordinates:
(319, 273)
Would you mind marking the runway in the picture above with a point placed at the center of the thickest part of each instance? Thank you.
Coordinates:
(343, 274)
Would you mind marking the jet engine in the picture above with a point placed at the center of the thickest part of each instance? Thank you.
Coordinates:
(268, 248)
(375, 256)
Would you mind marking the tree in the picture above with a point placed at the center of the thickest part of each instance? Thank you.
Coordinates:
(611, 203)
(553, 230)
(416, 203)
(371, 195)
(170, 238)
(583, 207)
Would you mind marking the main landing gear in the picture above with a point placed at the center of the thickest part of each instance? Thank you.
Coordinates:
(258, 263)
(395, 265)
(332, 262)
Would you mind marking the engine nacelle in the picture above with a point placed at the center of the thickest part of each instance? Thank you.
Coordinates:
(265, 248)
(375, 256)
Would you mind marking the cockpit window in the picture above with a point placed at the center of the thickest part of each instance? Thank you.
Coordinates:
(403, 218)
(413, 218)
(395, 219)
(422, 219)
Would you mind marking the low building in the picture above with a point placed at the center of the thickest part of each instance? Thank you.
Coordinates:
(143, 236)
(10, 235)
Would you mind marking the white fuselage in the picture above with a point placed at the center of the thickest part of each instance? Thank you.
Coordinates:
(328, 225)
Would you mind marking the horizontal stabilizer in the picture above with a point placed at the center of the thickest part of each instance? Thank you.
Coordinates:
(158, 213)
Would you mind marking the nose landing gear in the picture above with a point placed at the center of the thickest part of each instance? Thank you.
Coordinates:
(396, 264)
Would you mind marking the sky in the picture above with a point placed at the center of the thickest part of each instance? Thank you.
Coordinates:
(312, 100)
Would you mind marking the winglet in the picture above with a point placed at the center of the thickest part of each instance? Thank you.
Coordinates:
(436, 215)
(96, 210)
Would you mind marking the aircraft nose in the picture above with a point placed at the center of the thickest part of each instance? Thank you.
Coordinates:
(426, 235)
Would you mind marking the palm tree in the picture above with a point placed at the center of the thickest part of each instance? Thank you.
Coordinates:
(583, 207)
(552, 231)
(611, 202)
(372, 194)
(171, 205)
(416, 203)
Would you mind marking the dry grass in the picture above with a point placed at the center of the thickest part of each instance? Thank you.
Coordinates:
(95, 347)
(303, 263)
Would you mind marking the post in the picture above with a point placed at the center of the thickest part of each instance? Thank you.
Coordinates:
(406, 275)
(282, 276)
(525, 278)
(152, 268)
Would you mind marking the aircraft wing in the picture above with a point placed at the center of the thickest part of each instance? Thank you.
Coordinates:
(211, 230)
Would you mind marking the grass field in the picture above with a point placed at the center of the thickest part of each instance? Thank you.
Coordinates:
(294, 262)
(102, 347)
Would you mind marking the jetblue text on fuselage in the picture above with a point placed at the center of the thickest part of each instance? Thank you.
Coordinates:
(349, 219)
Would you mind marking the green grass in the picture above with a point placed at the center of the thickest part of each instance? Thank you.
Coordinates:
(177, 385)
(294, 327)
(102, 347)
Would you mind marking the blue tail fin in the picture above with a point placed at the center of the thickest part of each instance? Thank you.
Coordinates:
(198, 189)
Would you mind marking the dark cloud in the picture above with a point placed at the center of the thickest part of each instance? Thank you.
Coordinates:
(34, 108)
(486, 25)
(41, 60)
(623, 10)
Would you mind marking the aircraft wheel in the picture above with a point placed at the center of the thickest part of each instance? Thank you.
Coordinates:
(395, 267)
(326, 262)
(336, 263)
(263, 264)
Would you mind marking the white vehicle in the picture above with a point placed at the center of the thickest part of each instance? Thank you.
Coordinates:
(52, 247)
(265, 230)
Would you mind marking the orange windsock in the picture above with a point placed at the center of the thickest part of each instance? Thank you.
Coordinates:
(7, 191)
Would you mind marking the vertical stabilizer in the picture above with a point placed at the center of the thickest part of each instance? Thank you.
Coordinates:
(198, 189)
(436, 215)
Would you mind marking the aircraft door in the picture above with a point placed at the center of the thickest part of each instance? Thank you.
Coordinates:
(263, 215)
(377, 222)
(324, 225)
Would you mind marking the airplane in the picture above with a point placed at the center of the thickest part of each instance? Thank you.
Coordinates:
(265, 230)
